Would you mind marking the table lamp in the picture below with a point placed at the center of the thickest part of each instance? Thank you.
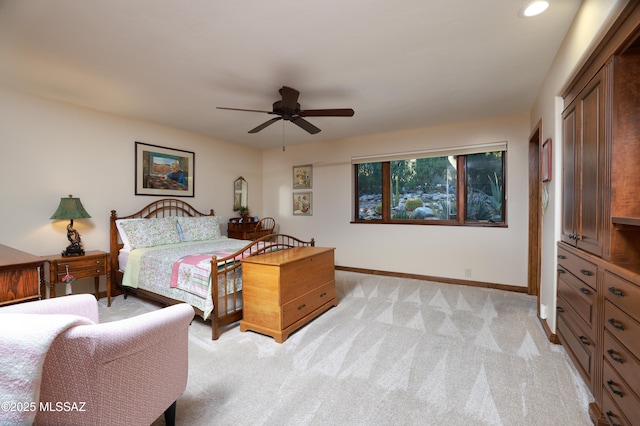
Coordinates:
(71, 208)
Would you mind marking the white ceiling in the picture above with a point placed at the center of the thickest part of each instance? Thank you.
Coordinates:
(399, 64)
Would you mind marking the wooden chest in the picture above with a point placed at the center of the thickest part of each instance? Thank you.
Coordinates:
(284, 290)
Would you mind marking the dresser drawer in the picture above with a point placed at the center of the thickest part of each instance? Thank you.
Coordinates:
(578, 266)
(622, 293)
(303, 305)
(612, 413)
(579, 296)
(622, 327)
(577, 343)
(620, 394)
(623, 362)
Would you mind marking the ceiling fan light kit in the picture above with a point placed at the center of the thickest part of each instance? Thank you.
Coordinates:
(289, 109)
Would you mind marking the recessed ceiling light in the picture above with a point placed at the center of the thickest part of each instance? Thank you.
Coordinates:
(535, 8)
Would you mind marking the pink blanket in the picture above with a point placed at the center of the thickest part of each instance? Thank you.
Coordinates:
(191, 273)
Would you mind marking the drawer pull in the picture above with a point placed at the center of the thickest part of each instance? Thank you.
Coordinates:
(613, 356)
(585, 272)
(616, 391)
(616, 291)
(560, 309)
(561, 271)
(323, 294)
(609, 415)
(301, 307)
(585, 291)
(562, 256)
(616, 324)
(584, 340)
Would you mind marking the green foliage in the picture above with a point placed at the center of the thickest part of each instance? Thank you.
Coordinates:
(496, 191)
(413, 203)
(378, 208)
(401, 215)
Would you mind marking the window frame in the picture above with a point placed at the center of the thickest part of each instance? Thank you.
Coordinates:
(461, 196)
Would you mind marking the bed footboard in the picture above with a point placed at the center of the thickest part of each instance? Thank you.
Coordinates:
(227, 299)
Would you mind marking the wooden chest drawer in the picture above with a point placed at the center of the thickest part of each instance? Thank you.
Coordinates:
(622, 327)
(304, 305)
(578, 266)
(623, 362)
(579, 296)
(622, 293)
(618, 391)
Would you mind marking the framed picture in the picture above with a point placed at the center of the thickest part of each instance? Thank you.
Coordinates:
(164, 171)
(302, 177)
(302, 204)
(546, 160)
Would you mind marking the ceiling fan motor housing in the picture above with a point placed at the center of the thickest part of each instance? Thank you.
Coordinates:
(286, 113)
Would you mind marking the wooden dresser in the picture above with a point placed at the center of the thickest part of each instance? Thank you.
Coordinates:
(284, 290)
(20, 275)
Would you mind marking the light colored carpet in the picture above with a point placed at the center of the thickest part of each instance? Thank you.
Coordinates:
(393, 352)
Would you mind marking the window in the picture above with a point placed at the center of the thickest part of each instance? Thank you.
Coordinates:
(463, 187)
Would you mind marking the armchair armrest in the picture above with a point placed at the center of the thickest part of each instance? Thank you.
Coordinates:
(84, 305)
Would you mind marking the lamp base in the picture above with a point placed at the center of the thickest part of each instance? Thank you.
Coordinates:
(73, 250)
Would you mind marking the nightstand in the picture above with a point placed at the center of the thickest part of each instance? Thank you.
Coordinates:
(92, 264)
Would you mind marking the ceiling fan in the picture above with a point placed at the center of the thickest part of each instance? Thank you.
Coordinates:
(289, 109)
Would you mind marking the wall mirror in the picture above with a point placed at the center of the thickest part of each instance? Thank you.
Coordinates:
(240, 193)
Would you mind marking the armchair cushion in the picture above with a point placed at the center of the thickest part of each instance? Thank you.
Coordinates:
(124, 372)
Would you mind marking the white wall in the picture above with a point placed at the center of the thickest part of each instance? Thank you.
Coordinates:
(496, 255)
(591, 23)
(50, 150)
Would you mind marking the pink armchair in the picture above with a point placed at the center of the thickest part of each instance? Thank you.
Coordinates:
(126, 372)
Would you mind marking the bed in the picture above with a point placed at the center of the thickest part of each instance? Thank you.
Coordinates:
(171, 253)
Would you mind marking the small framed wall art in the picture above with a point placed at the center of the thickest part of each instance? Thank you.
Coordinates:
(303, 177)
(303, 204)
(164, 171)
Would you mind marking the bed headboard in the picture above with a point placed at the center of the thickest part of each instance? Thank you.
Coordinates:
(165, 207)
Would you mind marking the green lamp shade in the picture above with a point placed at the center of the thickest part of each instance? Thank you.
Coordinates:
(70, 208)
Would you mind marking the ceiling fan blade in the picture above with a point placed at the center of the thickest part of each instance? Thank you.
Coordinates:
(289, 98)
(265, 124)
(305, 125)
(248, 110)
(336, 112)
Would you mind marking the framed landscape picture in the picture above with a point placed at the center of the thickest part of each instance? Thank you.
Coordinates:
(302, 177)
(163, 171)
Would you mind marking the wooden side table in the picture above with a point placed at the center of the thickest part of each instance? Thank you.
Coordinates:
(20, 275)
(92, 264)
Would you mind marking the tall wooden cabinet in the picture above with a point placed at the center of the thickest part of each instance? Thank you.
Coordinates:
(598, 304)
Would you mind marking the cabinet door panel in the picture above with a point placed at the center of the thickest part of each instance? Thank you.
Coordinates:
(569, 129)
(591, 169)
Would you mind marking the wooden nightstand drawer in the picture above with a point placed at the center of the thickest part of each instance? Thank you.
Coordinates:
(82, 269)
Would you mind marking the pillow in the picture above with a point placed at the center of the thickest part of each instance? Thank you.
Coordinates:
(151, 232)
(123, 234)
(199, 228)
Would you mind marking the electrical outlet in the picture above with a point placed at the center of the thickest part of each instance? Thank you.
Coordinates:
(467, 272)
